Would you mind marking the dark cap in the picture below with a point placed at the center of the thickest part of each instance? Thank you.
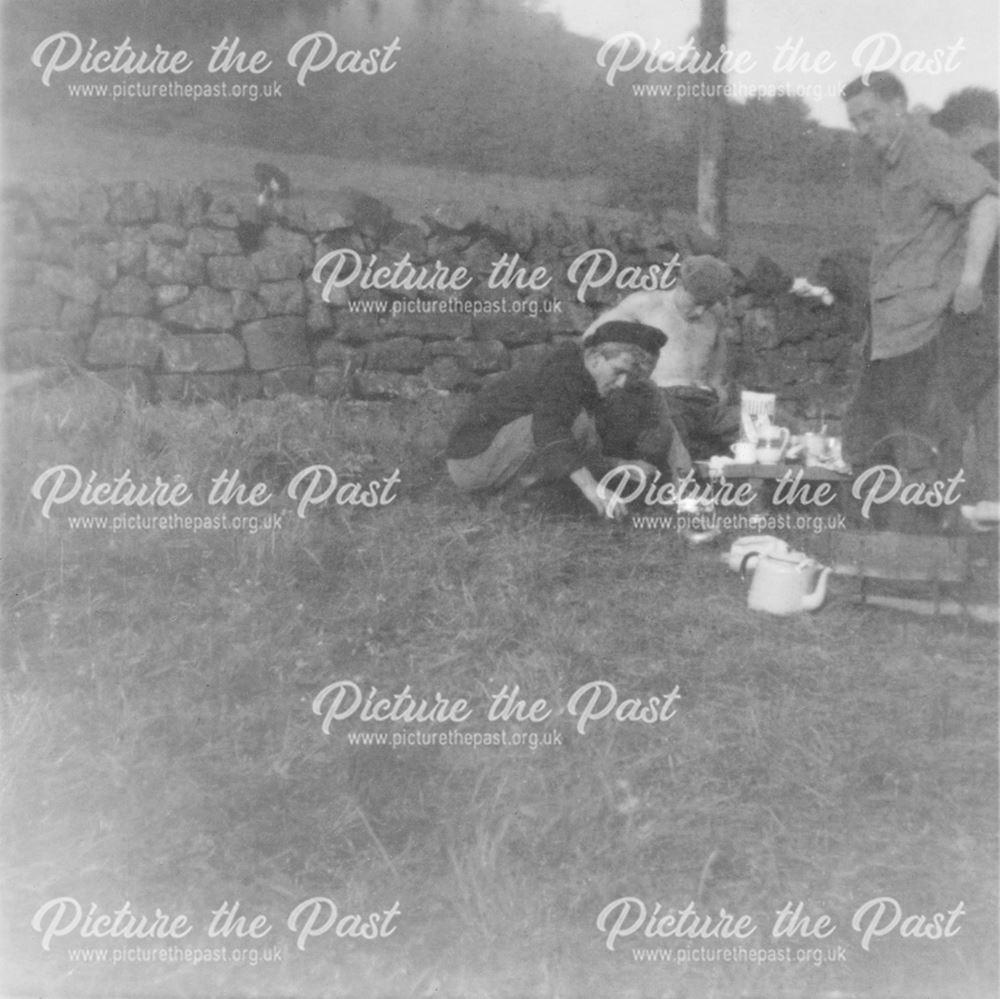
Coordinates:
(647, 338)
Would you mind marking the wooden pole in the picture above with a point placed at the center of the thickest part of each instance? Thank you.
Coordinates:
(712, 215)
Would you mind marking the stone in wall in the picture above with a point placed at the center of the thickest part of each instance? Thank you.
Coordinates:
(481, 257)
(171, 265)
(32, 305)
(487, 356)
(232, 272)
(132, 202)
(131, 296)
(450, 215)
(202, 352)
(511, 330)
(170, 294)
(59, 246)
(447, 247)
(359, 328)
(448, 348)
(319, 319)
(171, 235)
(205, 309)
(213, 242)
(277, 265)
(366, 213)
(247, 307)
(227, 210)
(528, 355)
(573, 316)
(276, 343)
(78, 318)
(293, 243)
(484, 293)
(480, 356)
(94, 205)
(128, 341)
(409, 239)
(330, 353)
(447, 375)
(431, 325)
(57, 202)
(69, 284)
(522, 231)
(169, 204)
(404, 354)
(317, 218)
(128, 252)
(282, 298)
(96, 263)
(338, 297)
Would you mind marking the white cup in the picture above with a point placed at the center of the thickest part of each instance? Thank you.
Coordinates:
(744, 452)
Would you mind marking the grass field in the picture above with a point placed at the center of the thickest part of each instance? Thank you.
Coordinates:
(161, 746)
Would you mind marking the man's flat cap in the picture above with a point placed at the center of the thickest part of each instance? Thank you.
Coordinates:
(647, 338)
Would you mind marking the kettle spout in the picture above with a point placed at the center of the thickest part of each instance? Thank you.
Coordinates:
(813, 601)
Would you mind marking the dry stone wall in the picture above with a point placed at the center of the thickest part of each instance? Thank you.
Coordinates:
(186, 293)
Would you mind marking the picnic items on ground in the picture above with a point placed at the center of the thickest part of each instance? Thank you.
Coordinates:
(763, 442)
(699, 511)
(785, 584)
(756, 409)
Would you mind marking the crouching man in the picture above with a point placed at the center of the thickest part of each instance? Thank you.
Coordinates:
(691, 371)
(535, 423)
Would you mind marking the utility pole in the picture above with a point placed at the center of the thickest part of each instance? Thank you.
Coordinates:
(712, 215)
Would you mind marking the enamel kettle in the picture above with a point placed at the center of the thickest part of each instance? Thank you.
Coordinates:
(786, 584)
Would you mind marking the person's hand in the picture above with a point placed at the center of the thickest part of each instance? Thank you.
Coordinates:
(612, 507)
(968, 299)
(607, 504)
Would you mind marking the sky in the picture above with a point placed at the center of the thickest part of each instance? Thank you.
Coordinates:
(900, 35)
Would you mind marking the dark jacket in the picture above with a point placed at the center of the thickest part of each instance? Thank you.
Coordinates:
(553, 390)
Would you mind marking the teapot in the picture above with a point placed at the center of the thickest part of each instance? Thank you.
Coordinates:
(786, 584)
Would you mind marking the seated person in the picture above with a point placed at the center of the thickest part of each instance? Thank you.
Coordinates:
(536, 422)
(691, 370)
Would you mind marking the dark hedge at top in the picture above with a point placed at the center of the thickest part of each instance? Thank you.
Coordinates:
(482, 85)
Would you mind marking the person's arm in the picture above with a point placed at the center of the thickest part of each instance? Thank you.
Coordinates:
(716, 375)
(587, 484)
(980, 240)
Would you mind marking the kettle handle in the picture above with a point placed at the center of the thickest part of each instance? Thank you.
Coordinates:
(744, 565)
